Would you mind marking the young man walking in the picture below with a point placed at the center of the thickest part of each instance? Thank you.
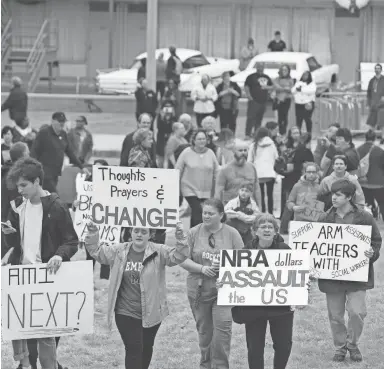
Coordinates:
(42, 232)
(347, 295)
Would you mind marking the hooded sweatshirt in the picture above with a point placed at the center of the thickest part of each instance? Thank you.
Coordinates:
(302, 192)
(326, 184)
(264, 158)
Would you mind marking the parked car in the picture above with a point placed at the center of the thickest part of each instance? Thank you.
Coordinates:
(299, 62)
(124, 81)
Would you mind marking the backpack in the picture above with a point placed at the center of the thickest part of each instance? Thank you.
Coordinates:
(178, 65)
(364, 166)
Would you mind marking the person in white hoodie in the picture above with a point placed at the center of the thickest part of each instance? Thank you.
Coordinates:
(263, 154)
(204, 95)
(339, 172)
(304, 94)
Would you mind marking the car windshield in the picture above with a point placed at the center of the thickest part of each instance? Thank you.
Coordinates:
(313, 64)
(275, 65)
(136, 64)
(195, 61)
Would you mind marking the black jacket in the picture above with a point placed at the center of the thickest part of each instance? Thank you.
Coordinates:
(58, 235)
(16, 103)
(7, 195)
(146, 102)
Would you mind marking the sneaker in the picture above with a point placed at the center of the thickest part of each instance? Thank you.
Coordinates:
(355, 354)
(339, 357)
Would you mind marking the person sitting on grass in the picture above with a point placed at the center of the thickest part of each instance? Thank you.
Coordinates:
(347, 295)
(137, 288)
(241, 212)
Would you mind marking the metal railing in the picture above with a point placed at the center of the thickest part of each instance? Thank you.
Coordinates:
(349, 109)
(6, 43)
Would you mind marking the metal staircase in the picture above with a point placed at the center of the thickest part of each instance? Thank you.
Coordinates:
(26, 62)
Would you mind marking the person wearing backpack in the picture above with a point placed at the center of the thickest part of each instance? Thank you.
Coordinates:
(174, 66)
(372, 172)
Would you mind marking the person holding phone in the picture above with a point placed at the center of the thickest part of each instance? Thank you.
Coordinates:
(137, 289)
(39, 229)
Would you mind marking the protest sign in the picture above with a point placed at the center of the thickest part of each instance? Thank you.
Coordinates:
(263, 277)
(135, 197)
(336, 250)
(38, 304)
(312, 211)
(108, 233)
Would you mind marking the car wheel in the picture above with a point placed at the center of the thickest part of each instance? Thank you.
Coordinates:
(334, 78)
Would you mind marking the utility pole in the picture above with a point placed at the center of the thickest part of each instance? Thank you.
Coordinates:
(152, 15)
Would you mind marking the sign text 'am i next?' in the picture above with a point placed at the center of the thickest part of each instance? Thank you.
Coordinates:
(37, 304)
(263, 277)
(136, 197)
(336, 250)
(108, 233)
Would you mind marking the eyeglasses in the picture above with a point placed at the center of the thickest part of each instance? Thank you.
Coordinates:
(211, 241)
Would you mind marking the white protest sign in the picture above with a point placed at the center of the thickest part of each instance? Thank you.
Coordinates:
(38, 304)
(135, 197)
(337, 250)
(263, 277)
(108, 233)
(312, 210)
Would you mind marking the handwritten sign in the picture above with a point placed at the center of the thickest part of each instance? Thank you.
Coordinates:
(312, 211)
(135, 197)
(108, 233)
(38, 304)
(337, 250)
(263, 277)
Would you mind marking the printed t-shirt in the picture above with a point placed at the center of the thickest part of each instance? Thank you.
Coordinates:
(226, 238)
(32, 233)
(129, 296)
(254, 82)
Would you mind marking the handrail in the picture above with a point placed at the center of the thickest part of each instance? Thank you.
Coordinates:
(38, 40)
(6, 32)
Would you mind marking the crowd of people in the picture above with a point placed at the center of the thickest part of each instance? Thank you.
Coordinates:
(229, 186)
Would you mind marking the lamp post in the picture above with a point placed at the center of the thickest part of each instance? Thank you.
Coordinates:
(151, 43)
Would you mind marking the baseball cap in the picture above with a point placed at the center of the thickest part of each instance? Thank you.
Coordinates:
(59, 116)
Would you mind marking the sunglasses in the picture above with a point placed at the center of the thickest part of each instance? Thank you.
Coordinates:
(211, 241)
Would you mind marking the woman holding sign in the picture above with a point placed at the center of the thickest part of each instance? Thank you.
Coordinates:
(256, 318)
(213, 322)
(137, 290)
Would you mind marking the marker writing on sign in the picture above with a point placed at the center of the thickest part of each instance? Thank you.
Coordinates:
(28, 275)
(112, 174)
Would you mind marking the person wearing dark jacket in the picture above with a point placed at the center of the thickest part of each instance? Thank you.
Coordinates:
(373, 183)
(6, 135)
(80, 140)
(51, 239)
(256, 318)
(146, 101)
(348, 295)
(171, 71)
(227, 103)
(18, 150)
(16, 102)
(344, 146)
(144, 121)
(24, 133)
(165, 121)
(49, 147)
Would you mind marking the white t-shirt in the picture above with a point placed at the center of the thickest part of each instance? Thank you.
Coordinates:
(32, 233)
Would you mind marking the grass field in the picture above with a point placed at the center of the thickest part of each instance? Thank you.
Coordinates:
(176, 345)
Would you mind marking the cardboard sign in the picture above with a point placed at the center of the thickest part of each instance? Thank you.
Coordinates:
(337, 250)
(263, 277)
(37, 304)
(136, 197)
(312, 211)
(108, 233)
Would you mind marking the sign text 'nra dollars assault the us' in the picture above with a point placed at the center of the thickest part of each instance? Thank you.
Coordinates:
(135, 197)
(336, 250)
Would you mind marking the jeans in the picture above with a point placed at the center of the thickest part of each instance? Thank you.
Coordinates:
(228, 119)
(270, 184)
(201, 116)
(160, 88)
(281, 328)
(50, 183)
(354, 302)
(34, 353)
(214, 327)
(255, 114)
(302, 114)
(138, 341)
(282, 115)
(46, 348)
(196, 211)
(372, 194)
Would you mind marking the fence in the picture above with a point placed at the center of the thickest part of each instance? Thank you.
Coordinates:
(349, 109)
